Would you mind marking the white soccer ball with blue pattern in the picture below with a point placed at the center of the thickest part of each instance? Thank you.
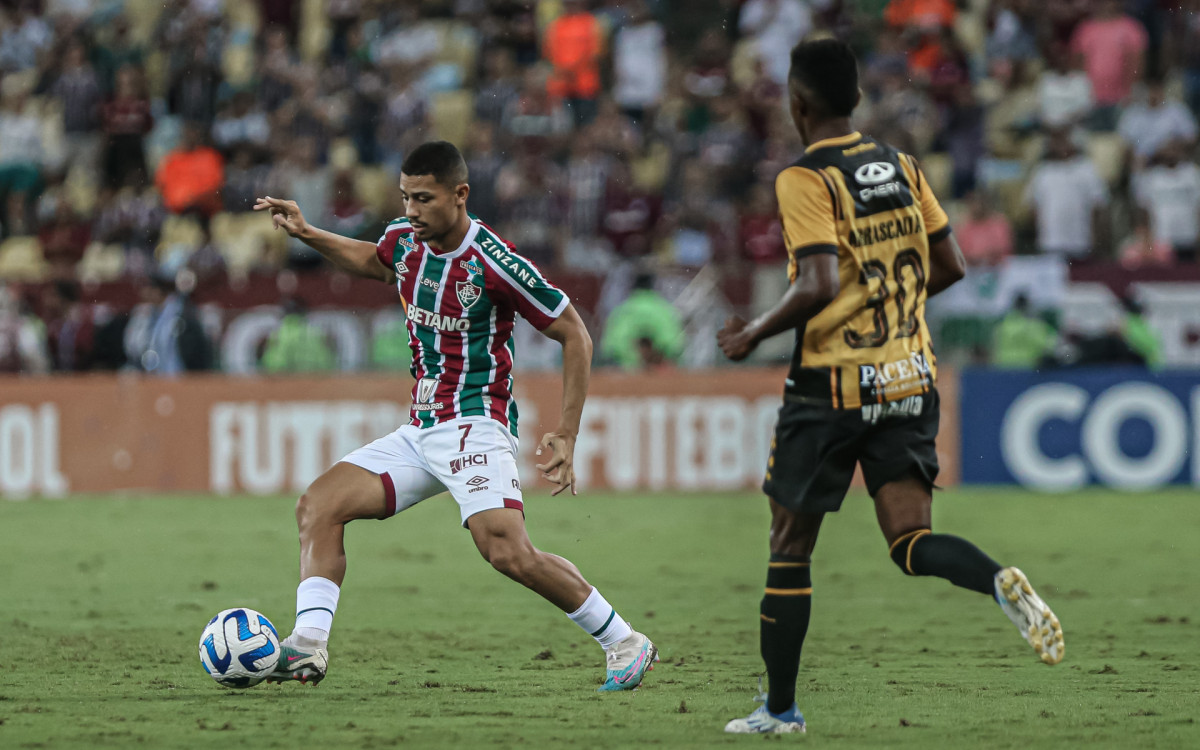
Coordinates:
(239, 648)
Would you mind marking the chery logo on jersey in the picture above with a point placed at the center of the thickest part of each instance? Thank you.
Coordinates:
(475, 459)
(879, 174)
(434, 320)
(875, 173)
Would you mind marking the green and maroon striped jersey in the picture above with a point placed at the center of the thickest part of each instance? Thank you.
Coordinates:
(461, 306)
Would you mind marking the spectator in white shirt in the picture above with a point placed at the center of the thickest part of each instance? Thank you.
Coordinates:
(241, 123)
(776, 26)
(1168, 192)
(639, 62)
(1064, 91)
(1067, 198)
(1149, 125)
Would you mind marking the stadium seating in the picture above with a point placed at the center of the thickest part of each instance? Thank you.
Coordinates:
(21, 259)
(101, 263)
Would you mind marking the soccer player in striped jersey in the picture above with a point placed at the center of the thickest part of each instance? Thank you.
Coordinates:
(461, 286)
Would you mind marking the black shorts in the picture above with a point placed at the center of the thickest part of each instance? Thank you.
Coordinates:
(816, 448)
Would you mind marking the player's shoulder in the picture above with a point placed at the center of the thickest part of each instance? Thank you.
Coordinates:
(850, 156)
(505, 263)
(502, 254)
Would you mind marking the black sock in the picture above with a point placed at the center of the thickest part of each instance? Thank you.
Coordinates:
(921, 553)
(785, 609)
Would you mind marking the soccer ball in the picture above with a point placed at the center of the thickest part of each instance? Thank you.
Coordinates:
(239, 648)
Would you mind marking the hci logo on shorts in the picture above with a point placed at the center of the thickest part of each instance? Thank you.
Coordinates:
(475, 459)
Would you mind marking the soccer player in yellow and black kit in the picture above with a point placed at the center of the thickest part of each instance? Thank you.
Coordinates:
(868, 244)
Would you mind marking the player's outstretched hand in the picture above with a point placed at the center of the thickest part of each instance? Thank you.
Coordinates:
(559, 469)
(735, 340)
(285, 215)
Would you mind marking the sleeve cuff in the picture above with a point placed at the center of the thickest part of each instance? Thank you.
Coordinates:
(807, 250)
(939, 235)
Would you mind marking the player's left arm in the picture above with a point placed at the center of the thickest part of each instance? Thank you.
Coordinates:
(569, 331)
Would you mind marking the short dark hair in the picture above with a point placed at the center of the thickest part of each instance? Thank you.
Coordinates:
(827, 70)
(438, 158)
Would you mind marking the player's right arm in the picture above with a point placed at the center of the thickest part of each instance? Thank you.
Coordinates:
(352, 256)
(806, 209)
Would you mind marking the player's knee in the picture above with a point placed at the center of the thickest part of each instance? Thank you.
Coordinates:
(314, 508)
(305, 509)
(901, 549)
(514, 562)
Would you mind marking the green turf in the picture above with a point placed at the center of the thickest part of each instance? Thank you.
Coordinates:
(104, 599)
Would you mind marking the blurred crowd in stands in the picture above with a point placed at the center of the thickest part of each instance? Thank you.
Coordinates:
(619, 138)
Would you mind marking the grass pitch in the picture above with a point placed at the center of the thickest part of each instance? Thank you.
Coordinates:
(104, 600)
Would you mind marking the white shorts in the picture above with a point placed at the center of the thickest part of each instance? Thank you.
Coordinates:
(472, 457)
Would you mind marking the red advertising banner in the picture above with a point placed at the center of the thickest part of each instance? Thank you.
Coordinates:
(270, 435)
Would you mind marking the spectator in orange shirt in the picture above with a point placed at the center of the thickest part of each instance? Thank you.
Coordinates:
(924, 14)
(190, 177)
(573, 46)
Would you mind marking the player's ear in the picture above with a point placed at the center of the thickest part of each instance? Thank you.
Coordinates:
(461, 191)
(857, 99)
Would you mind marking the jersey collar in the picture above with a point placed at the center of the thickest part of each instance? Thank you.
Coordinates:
(466, 243)
(841, 140)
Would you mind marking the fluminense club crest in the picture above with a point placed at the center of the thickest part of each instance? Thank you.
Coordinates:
(468, 293)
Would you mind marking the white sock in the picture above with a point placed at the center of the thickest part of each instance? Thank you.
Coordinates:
(316, 602)
(599, 620)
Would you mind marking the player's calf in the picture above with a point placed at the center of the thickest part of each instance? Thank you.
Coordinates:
(920, 552)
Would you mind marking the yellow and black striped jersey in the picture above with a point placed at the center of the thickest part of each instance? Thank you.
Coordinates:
(869, 204)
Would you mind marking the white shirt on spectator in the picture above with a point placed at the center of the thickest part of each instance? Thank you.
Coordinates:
(409, 45)
(74, 8)
(249, 128)
(1064, 99)
(1065, 194)
(1171, 195)
(20, 46)
(1147, 129)
(639, 65)
(20, 139)
(776, 26)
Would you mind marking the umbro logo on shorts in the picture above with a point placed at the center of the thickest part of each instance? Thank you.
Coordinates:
(477, 483)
